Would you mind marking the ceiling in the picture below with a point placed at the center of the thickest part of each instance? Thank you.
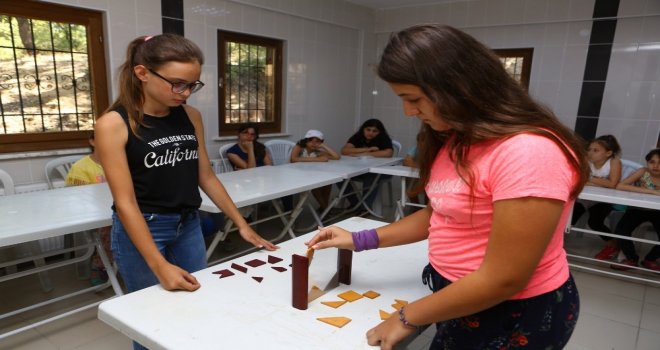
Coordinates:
(384, 4)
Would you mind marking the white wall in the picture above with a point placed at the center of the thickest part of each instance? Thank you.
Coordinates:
(558, 30)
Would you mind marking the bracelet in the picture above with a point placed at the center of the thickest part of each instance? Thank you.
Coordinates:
(405, 322)
(365, 240)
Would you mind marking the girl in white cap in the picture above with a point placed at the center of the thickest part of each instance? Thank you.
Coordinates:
(312, 149)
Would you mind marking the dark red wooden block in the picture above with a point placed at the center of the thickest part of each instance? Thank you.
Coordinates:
(255, 263)
(238, 267)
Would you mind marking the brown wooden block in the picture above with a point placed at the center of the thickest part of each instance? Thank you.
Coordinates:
(335, 321)
(255, 263)
(299, 281)
(371, 294)
(334, 304)
(350, 296)
(238, 267)
(223, 273)
(344, 265)
(273, 259)
(258, 279)
(278, 268)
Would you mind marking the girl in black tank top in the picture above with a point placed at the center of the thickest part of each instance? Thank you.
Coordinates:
(152, 148)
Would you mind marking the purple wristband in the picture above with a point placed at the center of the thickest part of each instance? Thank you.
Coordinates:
(365, 240)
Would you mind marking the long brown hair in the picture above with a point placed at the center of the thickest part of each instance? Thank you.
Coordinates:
(151, 52)
(473, 94)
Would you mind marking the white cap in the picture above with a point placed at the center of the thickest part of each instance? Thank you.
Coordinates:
(314, 133)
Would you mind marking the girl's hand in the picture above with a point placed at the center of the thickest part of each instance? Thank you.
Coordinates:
(374, 149)
(332, 236)
(248, 145)
(172, 277)
(250, 236)
(388, 333)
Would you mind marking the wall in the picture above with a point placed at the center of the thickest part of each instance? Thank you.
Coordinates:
(325, 44)
(559, 31)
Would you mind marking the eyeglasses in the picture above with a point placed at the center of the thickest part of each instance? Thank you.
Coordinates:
(179, 88)
(245, 132)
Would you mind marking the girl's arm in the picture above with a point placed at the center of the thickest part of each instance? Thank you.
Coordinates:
(410, 161)
(111, 137)
(613, 179)
(267, 159)
(329, 152)
(501, 275)
(211, 185)
(383, 153)
(350, 150)
(628, 183)
(295, 156)
(237, 161)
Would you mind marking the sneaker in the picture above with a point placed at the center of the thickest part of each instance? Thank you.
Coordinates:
(651, 265)
(608, 252)
(628, 262)
(98, 276)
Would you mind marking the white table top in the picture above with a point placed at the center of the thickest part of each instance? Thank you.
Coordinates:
(345, 167)
(35, 215)
(396, 170)
(238, 312)
(255, 185)
(608, 195)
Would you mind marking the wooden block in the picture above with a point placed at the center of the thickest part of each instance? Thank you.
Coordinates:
(350, 296)
(278, 268)
(258, 279)
(299, 281)
(335, 321)
(255, 263)
(344, 265)
(223, 273)
(310, 254)
(334, 304)
(384, 315)
(314, 293)
(371, 294)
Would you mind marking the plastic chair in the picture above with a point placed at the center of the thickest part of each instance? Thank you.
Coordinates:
(396, 147)
(21, 250)
(56, 169)
(225, 164)
(280, 151)
(628, 167)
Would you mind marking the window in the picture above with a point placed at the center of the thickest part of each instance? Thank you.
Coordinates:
(52, 75)
(250, 82)
(518, 62)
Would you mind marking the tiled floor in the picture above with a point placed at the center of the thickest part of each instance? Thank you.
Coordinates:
(615, 313)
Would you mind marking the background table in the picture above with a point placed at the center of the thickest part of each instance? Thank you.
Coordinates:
(238, 312)
(403, 172)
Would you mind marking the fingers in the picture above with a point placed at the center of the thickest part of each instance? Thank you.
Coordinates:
(262, 243)
(189, 282)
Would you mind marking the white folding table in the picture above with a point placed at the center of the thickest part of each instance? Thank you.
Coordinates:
(403, 172)
(268, 183)
(36, 215)
(237, 312)
(608, 195)
(346, 167)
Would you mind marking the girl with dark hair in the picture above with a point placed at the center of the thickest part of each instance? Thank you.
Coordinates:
(644, 180)
(151, 145)
(370, 140)
(497, 210)
(248, 152)
(605, 171)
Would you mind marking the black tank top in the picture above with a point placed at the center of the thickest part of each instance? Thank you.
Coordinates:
(163, 162)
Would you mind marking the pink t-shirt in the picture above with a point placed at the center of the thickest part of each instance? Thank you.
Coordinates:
(524, 165)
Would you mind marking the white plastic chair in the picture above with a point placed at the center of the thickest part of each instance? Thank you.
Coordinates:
(19, 251)
(225, 164)
(56, 169)
(628, 167)
(280, 151)
(396, 147)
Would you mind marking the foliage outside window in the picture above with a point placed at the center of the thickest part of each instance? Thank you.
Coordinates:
(250, 82)
(52, 75)
(518, 63)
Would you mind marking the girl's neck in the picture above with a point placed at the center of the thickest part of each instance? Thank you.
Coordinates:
(155, 109)
(600, 164)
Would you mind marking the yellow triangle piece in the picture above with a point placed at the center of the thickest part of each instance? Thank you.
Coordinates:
(350, 296)
(371, 294)
(335, 321)
(334, 304)
(402, 302)
(398, 306)
(384, 315)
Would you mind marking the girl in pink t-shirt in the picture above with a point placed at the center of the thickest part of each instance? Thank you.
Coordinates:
(501, 174)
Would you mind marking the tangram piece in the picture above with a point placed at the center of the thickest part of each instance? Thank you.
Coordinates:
(345, 265)
(224, 273)
(350, 296)
(278, 268)
(299, 281)
(384, 315)
(371, 294)
(273, 259)
(258, 279)
(255, 263)
(334, 304)
(335, 321)
(399, 304)
(238, 267)
(314, 293)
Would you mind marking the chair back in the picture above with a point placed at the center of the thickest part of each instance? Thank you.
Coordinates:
(7, 183)
(628, 167)
(225, 164)
(58, 168)
(280, 151)
(396, 147)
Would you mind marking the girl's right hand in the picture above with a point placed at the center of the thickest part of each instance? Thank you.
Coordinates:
(331, 237)
(172, 277)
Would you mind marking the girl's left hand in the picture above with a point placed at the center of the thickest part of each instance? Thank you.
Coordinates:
(249, 235)
(388, 333)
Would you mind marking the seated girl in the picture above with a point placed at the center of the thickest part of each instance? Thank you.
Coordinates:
(248, 152)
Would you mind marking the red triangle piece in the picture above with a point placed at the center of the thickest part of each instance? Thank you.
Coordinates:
(258, 279)
(278, 268)
(224, 273)
(273, 259)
